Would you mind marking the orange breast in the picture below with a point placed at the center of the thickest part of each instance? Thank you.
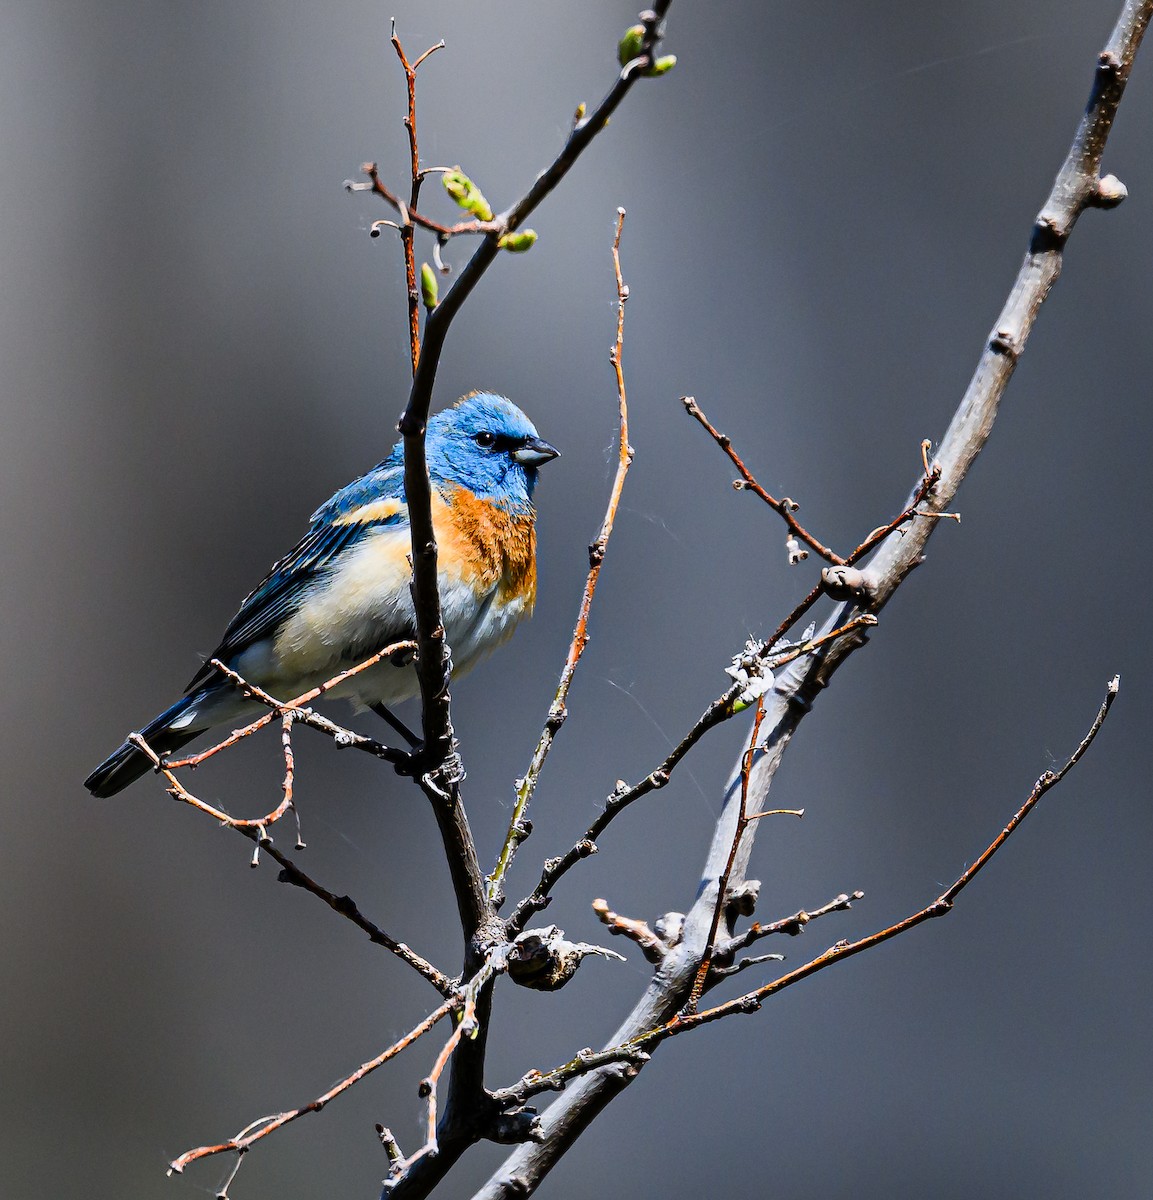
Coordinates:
(491, 548)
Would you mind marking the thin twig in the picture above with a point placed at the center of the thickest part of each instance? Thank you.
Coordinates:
(407, 230)
(646, 1042)
(346, 907)
(784, 507)
(717, 973)
(409, 215)
(179, 792)
(279, 708)
(558, 710)
(793, 925)
(306, 716)
(722, 709)
(467, 1026)
(256, 830)
(263, 1126)
(651, 946)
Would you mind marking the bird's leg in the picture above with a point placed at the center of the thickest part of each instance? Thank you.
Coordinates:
(387, 715)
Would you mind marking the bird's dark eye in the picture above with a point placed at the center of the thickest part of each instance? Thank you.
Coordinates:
(485, 439)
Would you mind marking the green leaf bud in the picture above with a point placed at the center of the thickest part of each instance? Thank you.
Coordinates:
(631, 44)
(518, 242)
(428, 286)
(467, 194)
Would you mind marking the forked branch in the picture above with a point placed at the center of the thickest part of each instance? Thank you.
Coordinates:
(638, 1049)
(1078, 186)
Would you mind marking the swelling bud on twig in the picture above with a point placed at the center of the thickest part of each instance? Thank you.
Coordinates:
(1110, 192)
(519, 242)
(467, 194)
(428, 286)
(631, 44)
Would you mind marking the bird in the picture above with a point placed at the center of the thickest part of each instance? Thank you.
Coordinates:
(343, 591)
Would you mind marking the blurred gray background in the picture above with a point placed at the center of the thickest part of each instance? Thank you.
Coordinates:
(199, 342)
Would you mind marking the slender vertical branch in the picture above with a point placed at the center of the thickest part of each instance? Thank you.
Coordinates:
(407, 227)
(558, 710)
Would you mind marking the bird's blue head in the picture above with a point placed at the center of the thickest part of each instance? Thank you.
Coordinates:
(486, 444)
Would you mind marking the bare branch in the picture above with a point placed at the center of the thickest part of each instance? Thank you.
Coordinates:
(637, 1048)
(347, 908)
(407, 232)
(785, 507)
(517, 830)
(793, 926)
(1077, 187)
(344, 736)
(263, 1126)
(720, 710)
(651, 946)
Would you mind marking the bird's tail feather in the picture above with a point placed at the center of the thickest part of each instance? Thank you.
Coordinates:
(128, 763)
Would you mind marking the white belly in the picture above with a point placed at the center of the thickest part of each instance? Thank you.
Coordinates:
(359, 609)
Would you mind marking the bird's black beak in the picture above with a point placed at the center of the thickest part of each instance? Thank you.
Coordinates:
(534, 452)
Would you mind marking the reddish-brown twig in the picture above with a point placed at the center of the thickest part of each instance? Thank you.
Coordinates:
(787, 507)
(943, 904)
(784, 507)
(280, 707)
(179, 792)
(792, 925)
(409, 216)
(467, 1025)
(428, 1085)
(261, 1128)
(911, 512)
(638, 1048)
(407, 228)
(580, 638)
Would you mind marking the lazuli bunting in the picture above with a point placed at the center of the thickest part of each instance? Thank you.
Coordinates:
(342, 592)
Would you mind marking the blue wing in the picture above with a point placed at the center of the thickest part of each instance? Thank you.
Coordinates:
(336, 526)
